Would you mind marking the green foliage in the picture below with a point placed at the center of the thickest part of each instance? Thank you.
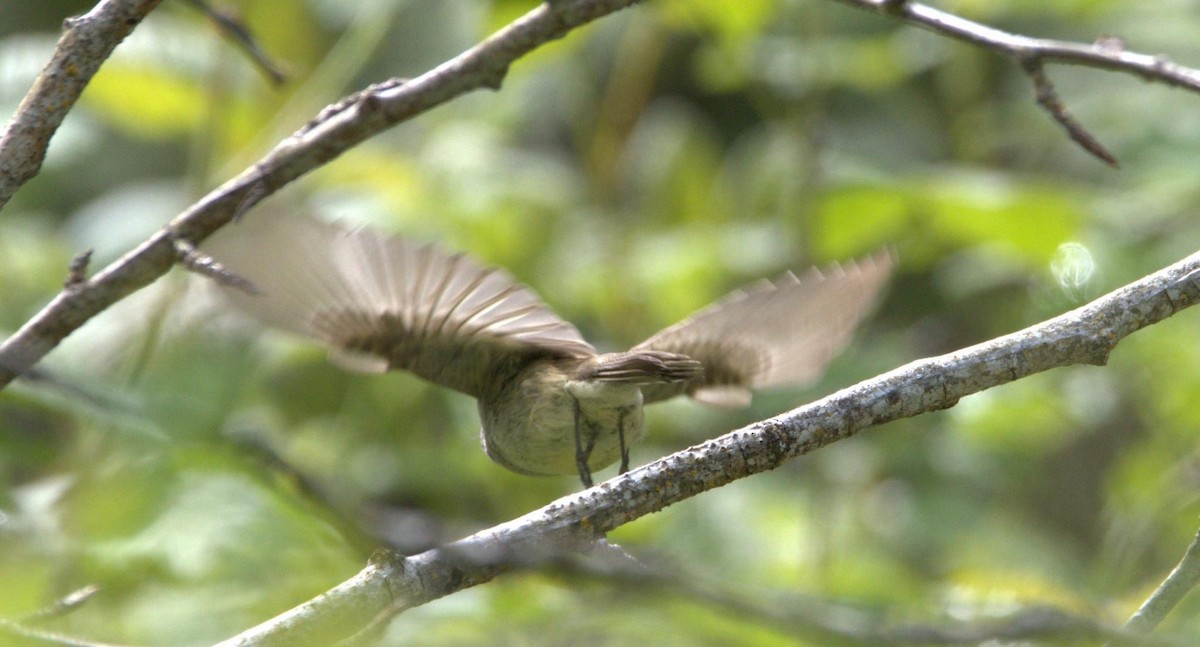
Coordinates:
(630, 173)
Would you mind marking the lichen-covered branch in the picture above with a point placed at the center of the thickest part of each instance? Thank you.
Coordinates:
(86, 42)
(331, 134)
(1083, 336)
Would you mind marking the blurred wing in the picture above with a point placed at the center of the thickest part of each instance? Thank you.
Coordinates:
(771, 333)
(384, 302)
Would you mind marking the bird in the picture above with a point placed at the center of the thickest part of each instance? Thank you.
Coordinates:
(549, 402)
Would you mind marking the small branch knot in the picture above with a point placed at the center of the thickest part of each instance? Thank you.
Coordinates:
(77, 270)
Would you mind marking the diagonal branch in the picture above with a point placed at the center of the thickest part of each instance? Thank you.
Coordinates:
(1032, 53)
(333, 133)
(87, 41)
(233, 29)
(1047, 97)
(1179, 582)
(1083, 336)
(1100, 55)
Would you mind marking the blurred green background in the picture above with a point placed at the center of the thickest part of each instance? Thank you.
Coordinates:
(630, 172)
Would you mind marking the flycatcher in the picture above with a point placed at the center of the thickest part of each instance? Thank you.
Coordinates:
(550, 403)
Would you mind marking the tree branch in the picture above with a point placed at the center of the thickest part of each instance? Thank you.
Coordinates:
(1104, 54)
(1083, 336)
(87, 41)
(1032, 53)
(1180, 581)
(1047, 97)
(26, 627)
(322, 140)
(240, 35)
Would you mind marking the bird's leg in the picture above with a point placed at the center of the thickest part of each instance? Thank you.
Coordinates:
(621, 438)
(582, 454)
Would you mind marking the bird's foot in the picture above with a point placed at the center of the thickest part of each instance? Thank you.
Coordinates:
(582, 453)
(621, 439)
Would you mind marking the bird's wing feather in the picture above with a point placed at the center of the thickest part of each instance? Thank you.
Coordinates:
(644, 367)
(781, 332)
(385, 302)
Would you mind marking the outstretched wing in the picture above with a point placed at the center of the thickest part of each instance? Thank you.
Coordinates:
(384, 302)
(771, 333)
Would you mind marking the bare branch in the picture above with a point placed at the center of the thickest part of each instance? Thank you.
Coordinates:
(1101, 55)
(1107, 53)
(1047, 97)
(1083, 336)
(1180, 581)
(482, 66)
(348, 102)
(87, 41)
(36, 635)
(237, 31)
(67, 604)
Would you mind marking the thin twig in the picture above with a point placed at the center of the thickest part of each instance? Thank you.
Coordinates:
(1047, 97)
(1033, 53)
(1099, 55)
(86, 42)
(1180, 581)
(64, 605)
(241, 36)
(1083, 336)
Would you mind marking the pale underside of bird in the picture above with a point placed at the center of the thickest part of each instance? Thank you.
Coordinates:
(549, 402)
